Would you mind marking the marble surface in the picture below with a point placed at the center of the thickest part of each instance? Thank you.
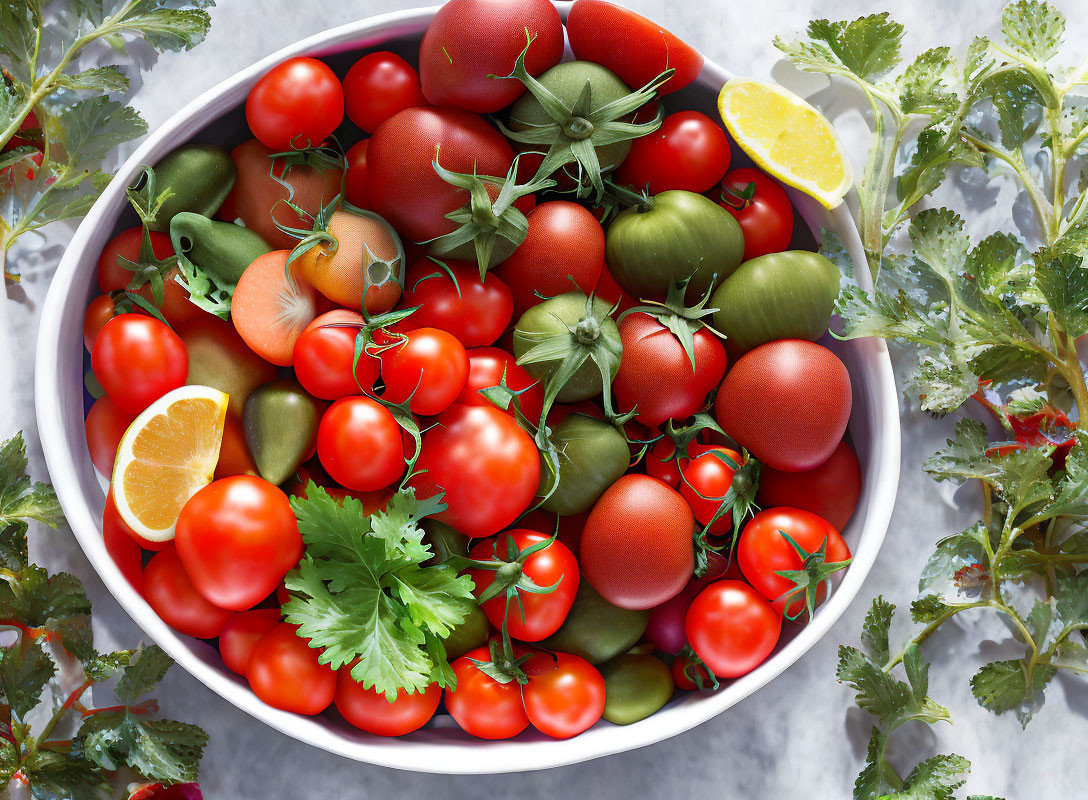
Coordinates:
(799, 736)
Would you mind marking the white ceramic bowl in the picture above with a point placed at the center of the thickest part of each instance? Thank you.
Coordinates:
(440, 747)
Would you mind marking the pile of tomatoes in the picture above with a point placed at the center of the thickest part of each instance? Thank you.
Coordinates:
(570, 332)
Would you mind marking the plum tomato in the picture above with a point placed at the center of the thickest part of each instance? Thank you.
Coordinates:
(706, 480)
(379, 85)
(295, 105)
(565, 694)
(481, 705)
(689, 151)
(486, 366)
(732, 628)
(324, 354)
(241, 634)
(137, 359)
(831, 490)
(372, 712)
(171, 593)
(427, 368)
(359, 444)
(762, 208)
(451, 297)
(284, 671)
(104, 426)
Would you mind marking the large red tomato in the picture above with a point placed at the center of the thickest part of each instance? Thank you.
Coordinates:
(470, 40)
(636, 548)
(284, 672)
(487, 466)
(732, 628)
(690, 151)
(656, 377)
(170, 592)
(486, 366)
(830, 491)
(481, 705)
(475, 311)
(379, 85)
(138, 359)
(565, 694)
(373, 713)
(296, 104)
(787, 402)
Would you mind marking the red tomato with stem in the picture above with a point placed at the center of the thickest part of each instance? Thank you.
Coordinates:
(359, 444)
(427, 369)
(241, 634)
(126, 245)
(355, 179)
(325, 352)
(99, 312)
(690, 151)
(373, 713)
(564, 696)
(486, 366)
(137, 360)
(732, 628)
(481, 705)
(706, 480)
(456, 301)
(684, 668)
(284, 672)
(831, 490)
(660, 466)
(762, 208)
(104, 426)
(295, 105)
(379, 85)
(169, 590)
(529, 617)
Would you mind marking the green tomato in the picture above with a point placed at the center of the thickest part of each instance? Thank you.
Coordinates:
(221, 249)
(777, 296)
(635, 687)
(595, 629)
(280, 423)
(198, 178)
(676, 235)
(470, 634)
(592, 456)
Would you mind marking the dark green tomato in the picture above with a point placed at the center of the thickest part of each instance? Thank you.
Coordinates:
(777, 296)
(470, 634)
(592, 455)
(280, 424)
(198, 176)
(445, 542)
(680, 234)
(221, 249)
(566, 316)
(595, 629)
(635, 686)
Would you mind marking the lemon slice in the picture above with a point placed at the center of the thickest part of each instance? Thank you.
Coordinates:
(167, 454)
(786, 137)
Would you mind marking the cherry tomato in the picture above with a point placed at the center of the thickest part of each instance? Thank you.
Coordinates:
(126, 554)
(707, 477)
(359, 443)
(105, 425)
(112, 276)
(112, 525)
(669, 470)
(486, 366)
(482, 706)
(284, 672)
(475, 311)
(295, 105)
(237, 538)
(762, 208)
(379, 85)
(564, 696)
(99, 312)
(732, 628)
(530, 617)
(137, 360)
(373, 713)
(684, 669)
(171, 593)
(689, 151)
(429, 366)
(241, 634)
(830, 491)
(324, 353)
(355, 179)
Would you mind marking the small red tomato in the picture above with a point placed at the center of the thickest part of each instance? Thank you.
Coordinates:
(324, 353)
(486, 366)
(379, 85)
(126, 554)
(295, 105)
(831, 490)
(112, 525)
(138, 359)
(661, 465)
(104, 426)
(284, 672)
(481, 705)
(373, 713)
(355, 178)
(171, 593)
(706, 481)
(685, 671)
(762, 208)
(241, 634)
(732, 628)
(429, 366)
(359, 444)
(457, 301)
(99, 312)
(690, 151)
(125, 246)
(564, 696)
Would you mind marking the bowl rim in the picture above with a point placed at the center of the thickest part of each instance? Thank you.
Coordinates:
(62, 437)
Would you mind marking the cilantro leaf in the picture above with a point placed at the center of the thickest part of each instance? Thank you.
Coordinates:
(867, 47)
(143, 671)
(889, 699)
(35, 597)
(1002, 686)
(965, 456)
(924, 84)
(1063, 282)
(91, 128)
(25, 669)
(936, 778)
(19, 498)
(1035, 29)
(99, 79)
(59, 776)
(163, 750)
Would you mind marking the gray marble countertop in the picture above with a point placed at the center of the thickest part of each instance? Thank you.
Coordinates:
(798, 737)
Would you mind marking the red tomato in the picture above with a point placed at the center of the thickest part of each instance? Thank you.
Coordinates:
(732, 628)
(359, 443)
(488, 467)
(171, 593)
(630, 45)
(689, 151)
(99, 312)
(485, 369)
(656, 377)
(241, 634)
(126, 554)
(237, 538)
(475, 311)
(104, 426)
(355, 179)
(610, 291)
(138, 359)
(762, 551)
(113, 277)
(284, 672)
(706, 477)
(373, 713)
(669, 471)
(636, 548)
(379, 85)
(324, 353)
(537, 616)
(112, 525)
(563, 250)
(295, 105)
(762, 208)
(564, 696)
(830, 491)
(482, 706)
(682, 666)
(468, 40)
(429, 366)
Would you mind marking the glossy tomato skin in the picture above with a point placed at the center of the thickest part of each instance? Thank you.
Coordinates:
(766, 218)
(563, 250)
(705, 477)
(296, 104)
(237, 538)
(126, 554)
(656, 377)
(476, 312)
(138, 359)
(284, 672)
(355, 178)
(372, 712)
(241, 634)
(100, 311)
(488, 467)
(111, 275)
(427, 369)
(831, 490)
(104, 426)
(379, 85)
(564, 696)
(681, 666)
(633, 47)
(482, 706)
(787, 402)
(689, 151)
(324, 353)
(359, 444)
(636, 548)
(762, 551)
(486, 366)
(539, 615)
(732, 628)
(114, 527)
(468, 40)
(170, 592)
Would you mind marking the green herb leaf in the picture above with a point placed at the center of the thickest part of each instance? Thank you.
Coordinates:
(97, 79)
(1035, 29)
(162, 749)
(25, 669)
(1002, 686)
(20, 499)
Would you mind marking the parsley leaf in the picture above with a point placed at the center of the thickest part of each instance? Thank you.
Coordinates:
(19, 498)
